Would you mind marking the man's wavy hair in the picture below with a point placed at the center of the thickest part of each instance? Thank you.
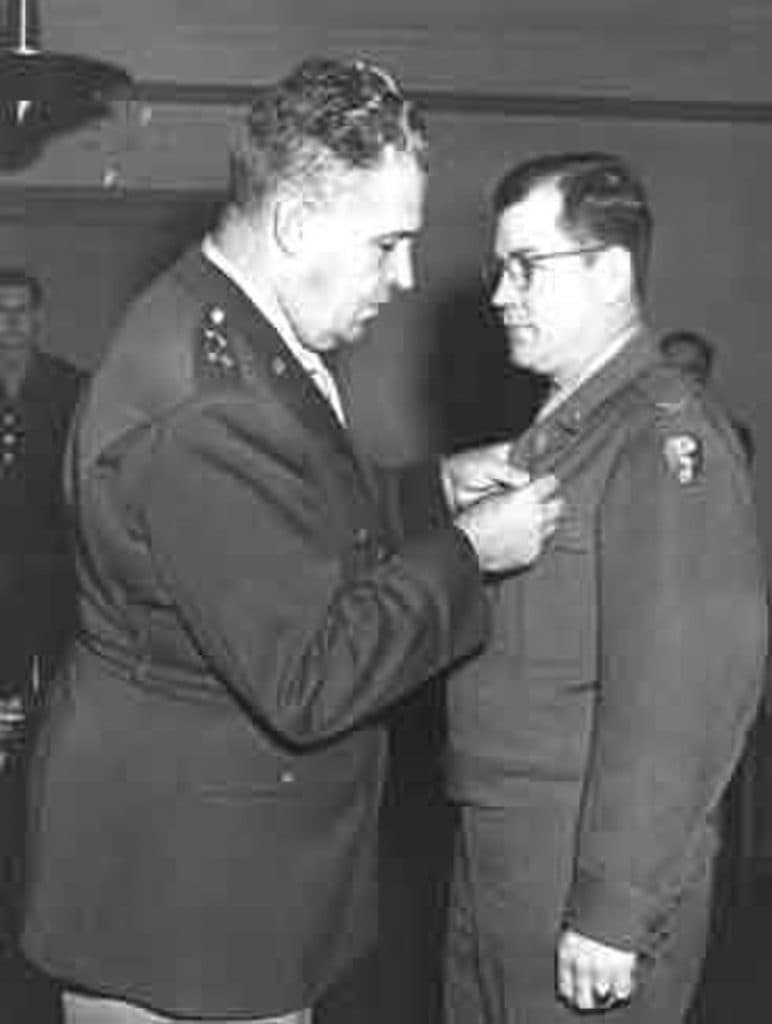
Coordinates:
(603, 201)
(326, 118)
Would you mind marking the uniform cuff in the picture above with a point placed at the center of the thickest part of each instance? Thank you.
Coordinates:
(615, 914)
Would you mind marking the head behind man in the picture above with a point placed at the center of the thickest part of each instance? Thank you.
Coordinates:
(572, 241)
(21, 300)
(326, 197)
(691, 352)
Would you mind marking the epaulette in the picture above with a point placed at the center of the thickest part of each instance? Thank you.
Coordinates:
(215, 357)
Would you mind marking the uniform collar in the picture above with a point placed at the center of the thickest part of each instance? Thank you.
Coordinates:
(638, 352)
(548, 436)
(266, 303)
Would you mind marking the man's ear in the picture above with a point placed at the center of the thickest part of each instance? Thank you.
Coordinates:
(614, 270)
(290, 223)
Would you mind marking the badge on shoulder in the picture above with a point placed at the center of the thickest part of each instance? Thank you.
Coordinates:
(684, 457)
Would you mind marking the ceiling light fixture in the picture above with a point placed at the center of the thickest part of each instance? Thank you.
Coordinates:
(44, 94)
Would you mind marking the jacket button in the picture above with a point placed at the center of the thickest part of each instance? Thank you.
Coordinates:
(362, 535)
(279, 366)
(287, 777)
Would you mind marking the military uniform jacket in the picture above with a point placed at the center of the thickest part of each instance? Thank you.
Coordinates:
(627, 662)
(206, 786)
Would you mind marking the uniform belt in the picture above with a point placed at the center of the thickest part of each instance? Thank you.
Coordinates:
(147, 673)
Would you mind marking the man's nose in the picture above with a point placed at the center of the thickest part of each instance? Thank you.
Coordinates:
(401, 274)
(508, 291)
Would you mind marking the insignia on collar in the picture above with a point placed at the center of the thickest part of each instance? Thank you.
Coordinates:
(683, 455)
(215, 346)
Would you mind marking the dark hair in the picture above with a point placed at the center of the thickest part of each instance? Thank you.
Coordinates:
(603, 201)
(17, 277)
(324, 117)
(699, 348)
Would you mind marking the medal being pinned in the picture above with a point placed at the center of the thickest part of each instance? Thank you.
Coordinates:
(684, 457)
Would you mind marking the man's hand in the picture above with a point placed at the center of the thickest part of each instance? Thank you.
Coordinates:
(591, 975)
(508, 528)
(470, 475)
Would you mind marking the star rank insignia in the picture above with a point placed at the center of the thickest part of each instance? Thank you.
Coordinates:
(683, 455)
(215, 346)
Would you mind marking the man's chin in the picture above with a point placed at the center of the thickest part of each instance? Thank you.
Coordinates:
(519, 345)
(356, 332)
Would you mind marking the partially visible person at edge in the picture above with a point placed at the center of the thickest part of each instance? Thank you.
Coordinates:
(591, 741)
(694, 355)
(207, 785)
(38, 393)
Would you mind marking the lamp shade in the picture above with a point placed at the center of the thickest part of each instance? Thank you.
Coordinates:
(43, 94)
(37, 76)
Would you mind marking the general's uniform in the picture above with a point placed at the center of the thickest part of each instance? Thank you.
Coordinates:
(591, 742)
(207, 783)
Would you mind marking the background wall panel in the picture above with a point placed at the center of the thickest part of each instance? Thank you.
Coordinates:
(698, 48)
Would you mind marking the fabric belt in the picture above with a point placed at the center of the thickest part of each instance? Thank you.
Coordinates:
(151, 674)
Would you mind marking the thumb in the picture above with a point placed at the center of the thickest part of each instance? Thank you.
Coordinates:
(545, 487)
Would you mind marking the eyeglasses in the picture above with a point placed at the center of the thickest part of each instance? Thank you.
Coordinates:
(520, 267)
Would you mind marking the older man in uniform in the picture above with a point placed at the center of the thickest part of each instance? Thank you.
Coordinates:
(208, 780)
(591, 742)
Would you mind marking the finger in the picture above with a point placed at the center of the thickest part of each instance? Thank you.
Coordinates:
(584, 996)
(565, 978)
(489, 455)
(508, 475)
(623, 982)
(544, 487)
(603, 988)
(518, 477)
(604, 1001)
(499, 450)
(552, 512)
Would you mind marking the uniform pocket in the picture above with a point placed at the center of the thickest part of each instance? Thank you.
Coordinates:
(559, 614)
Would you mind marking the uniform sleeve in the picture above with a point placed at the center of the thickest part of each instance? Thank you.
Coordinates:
(682, 635)
(288, 602)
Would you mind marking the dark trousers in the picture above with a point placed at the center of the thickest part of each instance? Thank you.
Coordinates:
(26, 996)
(512, 869)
